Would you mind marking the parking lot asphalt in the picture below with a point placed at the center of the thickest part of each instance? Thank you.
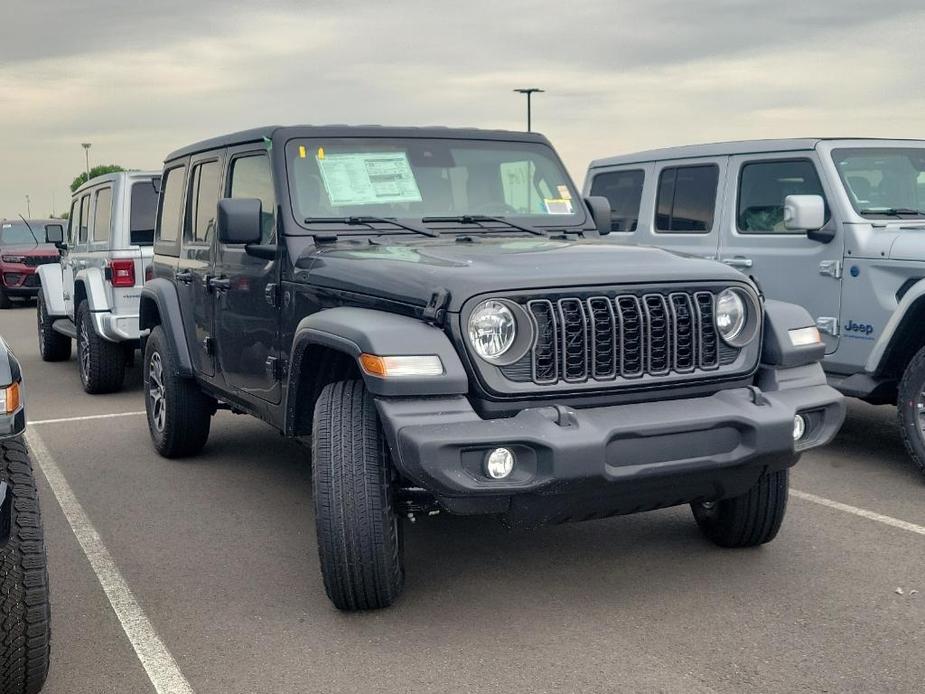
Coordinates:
(219, 556)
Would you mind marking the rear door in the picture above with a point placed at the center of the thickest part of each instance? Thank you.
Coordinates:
(787, 265)
(246, 320)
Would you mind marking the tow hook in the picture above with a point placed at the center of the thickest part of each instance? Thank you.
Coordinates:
(758, 397)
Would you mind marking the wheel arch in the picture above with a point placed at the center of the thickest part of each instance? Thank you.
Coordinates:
(160, 305)
(90, 284)
(51, 287)
(902, 337)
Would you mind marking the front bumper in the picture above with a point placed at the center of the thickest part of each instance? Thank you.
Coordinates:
(577, 464)
(116, 327)
(19, 280)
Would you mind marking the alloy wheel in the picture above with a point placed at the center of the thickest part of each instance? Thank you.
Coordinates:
(156, 392)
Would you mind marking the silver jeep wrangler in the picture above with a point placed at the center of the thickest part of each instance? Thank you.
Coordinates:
(92, 295)
(836, 225)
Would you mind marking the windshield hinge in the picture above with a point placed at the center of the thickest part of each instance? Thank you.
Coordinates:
(831, 268)
(273, 294)
(435, 311)
(827, 325)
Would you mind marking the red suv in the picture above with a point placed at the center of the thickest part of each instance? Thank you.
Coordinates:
(22, 250)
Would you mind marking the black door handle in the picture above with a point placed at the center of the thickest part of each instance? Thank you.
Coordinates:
(185, 276)
(219, 284)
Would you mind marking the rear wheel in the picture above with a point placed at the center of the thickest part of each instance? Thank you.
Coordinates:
(24, 605)
(179, 413)
(101, 363)
(53, 346)
(750, 519)
(910, 408)
(359, 533)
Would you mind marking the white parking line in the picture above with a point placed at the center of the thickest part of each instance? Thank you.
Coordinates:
(862, 512)
(61, 420)
(157, 661)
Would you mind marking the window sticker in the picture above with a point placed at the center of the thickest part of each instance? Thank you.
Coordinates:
(368, 178)
(558, 206)
(563, 192)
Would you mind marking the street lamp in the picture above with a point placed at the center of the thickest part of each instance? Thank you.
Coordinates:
(529, 91)
(28, 207)
(86, 146)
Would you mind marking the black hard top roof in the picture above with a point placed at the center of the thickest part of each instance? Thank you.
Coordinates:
(271, 132)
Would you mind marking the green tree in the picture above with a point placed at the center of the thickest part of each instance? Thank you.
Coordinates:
(101, 170)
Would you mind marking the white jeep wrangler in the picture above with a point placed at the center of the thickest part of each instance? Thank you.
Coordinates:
(92, 295)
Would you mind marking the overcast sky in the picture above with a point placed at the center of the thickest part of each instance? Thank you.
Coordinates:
(138, 79)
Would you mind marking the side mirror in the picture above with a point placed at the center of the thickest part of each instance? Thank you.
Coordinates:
(804, 212)
(599, 206)
(239, 220)
(54, 233)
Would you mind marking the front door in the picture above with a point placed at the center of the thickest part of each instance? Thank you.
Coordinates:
(195, 265)
(247, 322)
(78, 231)
(787, 265)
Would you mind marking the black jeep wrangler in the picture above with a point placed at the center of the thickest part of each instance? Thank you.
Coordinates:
(438, 311)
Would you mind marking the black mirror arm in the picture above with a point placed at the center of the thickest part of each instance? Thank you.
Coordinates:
(264, 251)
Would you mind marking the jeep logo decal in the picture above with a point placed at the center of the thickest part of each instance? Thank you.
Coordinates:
(859, 329)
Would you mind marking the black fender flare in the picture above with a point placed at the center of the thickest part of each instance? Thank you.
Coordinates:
(355, 331)
(162, 294)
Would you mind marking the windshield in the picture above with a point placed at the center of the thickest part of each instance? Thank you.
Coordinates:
(422, 178)
(886, 182)
(16, 234)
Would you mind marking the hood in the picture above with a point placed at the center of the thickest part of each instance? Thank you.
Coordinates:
(909, 243)
(411, 273)
(44, 249)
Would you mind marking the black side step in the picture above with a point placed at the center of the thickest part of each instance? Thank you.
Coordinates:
(65, 326)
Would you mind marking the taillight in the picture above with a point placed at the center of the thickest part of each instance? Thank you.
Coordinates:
(122, 273)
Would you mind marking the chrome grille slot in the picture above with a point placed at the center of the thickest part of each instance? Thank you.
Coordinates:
(545, 349)
(574, 334)
(709, 340)
(685, 352)
(631, 343)
(658, 334)
(604, 338)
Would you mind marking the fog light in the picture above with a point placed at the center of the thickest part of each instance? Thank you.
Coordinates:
(799, 427)
(499, 463)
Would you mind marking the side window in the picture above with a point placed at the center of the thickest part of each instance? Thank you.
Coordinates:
(686, 199)
(762, 189)
(624, 191)
(171, 202)
(73, 223)
(143, 213)
(203, 202)
(251, 178)
(84, 219)
(102, 218)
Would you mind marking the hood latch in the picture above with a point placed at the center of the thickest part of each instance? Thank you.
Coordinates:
(435, 311)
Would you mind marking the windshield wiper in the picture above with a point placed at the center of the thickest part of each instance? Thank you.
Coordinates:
(368, 221)
(892, 211)
(478, 218)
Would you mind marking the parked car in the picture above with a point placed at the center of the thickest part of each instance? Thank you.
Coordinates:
(25, 612)
(92, 294)
(835, 225)
(436, 310)
(23, 249)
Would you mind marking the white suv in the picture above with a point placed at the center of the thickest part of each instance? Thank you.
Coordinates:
(92, 295)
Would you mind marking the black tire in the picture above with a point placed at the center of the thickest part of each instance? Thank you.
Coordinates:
(5, 300)
(359, 533)
(53, 346)
(910, 408)
(748, 520)
(24, 605)
(179, 413)
(101, 363)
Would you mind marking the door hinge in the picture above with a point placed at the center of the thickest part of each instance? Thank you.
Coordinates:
(274, 294)
(276, 368)
(831, 268)
(435, 311)
(208, 345)
(827, 325)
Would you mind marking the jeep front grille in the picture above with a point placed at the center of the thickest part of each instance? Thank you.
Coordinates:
(628, 336)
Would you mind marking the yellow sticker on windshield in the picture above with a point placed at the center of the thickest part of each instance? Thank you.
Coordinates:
(302, 152)
(321, 153)
(563, 192)
(559, 206)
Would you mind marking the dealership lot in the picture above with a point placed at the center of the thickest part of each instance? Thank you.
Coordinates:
(213, 568)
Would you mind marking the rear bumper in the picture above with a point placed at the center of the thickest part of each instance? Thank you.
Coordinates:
(116, 327)
(576, 464)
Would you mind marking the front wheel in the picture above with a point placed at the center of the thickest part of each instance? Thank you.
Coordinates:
(910, 408)
(179, 413)
(53, 346)
(359, 533)
(750, 519)
(24, 605)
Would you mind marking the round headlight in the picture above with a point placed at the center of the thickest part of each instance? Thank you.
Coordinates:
(730, 314)
(492, 329)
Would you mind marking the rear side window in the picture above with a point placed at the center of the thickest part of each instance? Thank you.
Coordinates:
(762, 189)
(171, 204)
(84, 218)
(143, 213)
(624, 191)
(73, 222)
(686, 199)
(102, 216)
(203, 202)
(251, 178)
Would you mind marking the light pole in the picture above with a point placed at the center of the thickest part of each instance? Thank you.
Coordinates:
(86, 146)
(28, 207)
(529, 91)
